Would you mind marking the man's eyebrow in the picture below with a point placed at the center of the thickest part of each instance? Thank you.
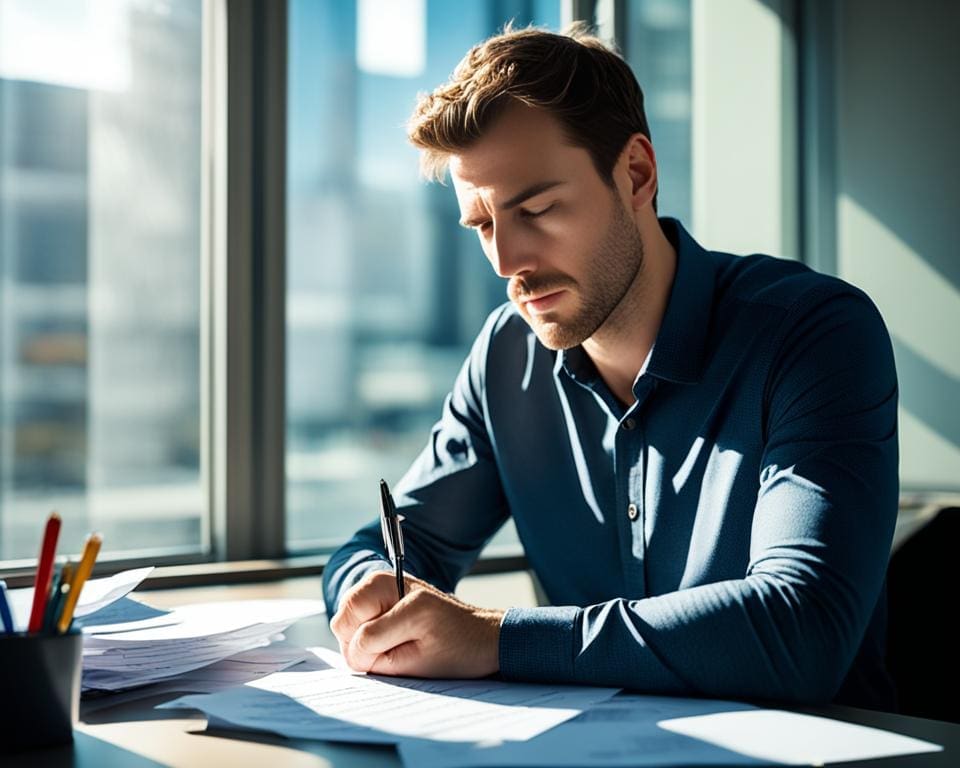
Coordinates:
(532, 191)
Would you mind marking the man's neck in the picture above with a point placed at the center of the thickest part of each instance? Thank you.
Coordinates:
(620, 347)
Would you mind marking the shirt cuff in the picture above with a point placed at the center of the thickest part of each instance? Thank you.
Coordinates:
(536, 644)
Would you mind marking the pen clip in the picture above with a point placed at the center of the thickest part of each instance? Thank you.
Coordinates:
(398, 545)
(390, 524)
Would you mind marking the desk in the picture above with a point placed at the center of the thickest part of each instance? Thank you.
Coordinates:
(134, 735)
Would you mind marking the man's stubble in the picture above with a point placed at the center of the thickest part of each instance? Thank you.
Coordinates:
(615, 268)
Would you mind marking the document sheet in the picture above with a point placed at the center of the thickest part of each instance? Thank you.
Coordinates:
(227, 673)
(163, 644)
(96, 595)
(335, 704)
(639, 730)
(463, 723)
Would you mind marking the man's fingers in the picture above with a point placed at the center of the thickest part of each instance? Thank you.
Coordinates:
(385, 635)
(371, 597)
(403, 660)
(427, 634)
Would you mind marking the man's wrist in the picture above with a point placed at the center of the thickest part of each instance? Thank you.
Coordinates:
(492, 620)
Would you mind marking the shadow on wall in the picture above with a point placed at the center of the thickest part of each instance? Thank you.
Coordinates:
(898, 186)
(928, 391)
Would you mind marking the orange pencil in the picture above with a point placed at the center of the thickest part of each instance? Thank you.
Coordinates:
(41, 583)
(90, 551)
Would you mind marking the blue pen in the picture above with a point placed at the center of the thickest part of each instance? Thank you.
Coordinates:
(5, 614)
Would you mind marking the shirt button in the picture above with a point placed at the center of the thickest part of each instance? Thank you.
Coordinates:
(632, 512)
(629, 424)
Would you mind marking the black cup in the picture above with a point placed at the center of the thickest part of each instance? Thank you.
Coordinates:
(40, 681)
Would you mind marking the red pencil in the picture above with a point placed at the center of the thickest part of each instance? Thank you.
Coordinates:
(41, 585)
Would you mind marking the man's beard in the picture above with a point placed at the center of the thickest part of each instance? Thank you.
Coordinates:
(618, 260)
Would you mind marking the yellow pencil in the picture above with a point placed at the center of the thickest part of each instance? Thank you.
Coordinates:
(90, 551)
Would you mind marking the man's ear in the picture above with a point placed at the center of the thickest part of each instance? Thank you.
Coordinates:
(638, 164)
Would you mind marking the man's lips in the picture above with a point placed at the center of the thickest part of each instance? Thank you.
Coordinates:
(543, 303)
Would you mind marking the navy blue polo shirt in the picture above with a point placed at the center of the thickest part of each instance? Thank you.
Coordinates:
(725, 535)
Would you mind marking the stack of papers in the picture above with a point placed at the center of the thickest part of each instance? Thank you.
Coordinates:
(242, 668)
(128, 643)
(134, 649)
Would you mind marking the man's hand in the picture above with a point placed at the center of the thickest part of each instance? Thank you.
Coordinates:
(427, 634)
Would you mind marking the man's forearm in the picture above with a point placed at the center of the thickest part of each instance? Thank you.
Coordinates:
(759, 637)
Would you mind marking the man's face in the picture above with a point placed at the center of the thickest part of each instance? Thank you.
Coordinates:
(549, 224)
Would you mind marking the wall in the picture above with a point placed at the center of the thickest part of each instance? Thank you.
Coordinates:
(897, 219)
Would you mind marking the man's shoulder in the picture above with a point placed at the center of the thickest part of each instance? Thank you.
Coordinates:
(781, 284)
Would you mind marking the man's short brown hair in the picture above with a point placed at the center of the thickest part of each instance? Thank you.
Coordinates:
(573, 76)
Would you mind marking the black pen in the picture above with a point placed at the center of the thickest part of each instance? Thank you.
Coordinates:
(392, 537)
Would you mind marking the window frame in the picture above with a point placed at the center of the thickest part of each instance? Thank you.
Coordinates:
(246, 263)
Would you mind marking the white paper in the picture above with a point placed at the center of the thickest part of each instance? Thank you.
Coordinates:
(638, 730)
(800, 739)
(121, 656)
(124, 615)
(99, 593)
(95, 594)
(208, 620)
(226, 673)
(238, 669)
(620, 732)
(338, 705)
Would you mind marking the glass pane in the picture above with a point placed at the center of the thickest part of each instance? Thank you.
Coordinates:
(658, 49)
(100, 273)
(386, 291)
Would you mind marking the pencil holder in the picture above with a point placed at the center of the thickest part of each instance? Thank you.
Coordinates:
(40, 677)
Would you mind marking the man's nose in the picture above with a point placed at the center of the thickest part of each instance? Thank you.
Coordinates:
(510, 253)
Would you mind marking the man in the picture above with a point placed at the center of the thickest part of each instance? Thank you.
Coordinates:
(699, 450)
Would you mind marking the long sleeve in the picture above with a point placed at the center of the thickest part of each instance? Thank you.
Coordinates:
(822, 526)
(451, 497)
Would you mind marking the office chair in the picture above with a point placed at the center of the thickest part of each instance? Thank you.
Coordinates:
(923, 587)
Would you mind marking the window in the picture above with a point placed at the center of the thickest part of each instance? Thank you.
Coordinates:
(100, 110)
(385, 290)
(656, 44)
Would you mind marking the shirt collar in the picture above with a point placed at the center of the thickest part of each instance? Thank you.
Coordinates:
(678, 351)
